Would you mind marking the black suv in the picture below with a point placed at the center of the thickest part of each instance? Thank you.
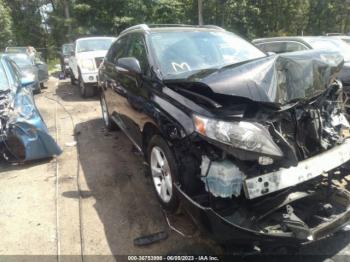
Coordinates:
(243, 140)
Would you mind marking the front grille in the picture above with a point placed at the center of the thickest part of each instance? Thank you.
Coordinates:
(98, 61)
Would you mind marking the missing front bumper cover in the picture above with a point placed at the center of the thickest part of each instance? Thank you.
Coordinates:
(304, 171)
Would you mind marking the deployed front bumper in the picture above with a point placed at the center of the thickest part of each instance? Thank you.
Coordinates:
(286, 177)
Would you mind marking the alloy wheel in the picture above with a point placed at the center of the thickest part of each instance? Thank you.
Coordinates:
(161, 174)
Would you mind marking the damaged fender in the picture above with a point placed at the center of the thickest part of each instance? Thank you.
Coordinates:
(23, 133)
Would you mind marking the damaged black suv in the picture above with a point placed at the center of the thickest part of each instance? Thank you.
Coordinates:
(248, 143)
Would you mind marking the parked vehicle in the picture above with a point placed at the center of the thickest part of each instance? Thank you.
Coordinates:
(232, 133)
(345, 38)
(32, 68)
(84, 62)
(23, 133)
(66, 51)
(328, 43)
(29, 50)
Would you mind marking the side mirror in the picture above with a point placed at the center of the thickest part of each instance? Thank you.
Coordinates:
(271, 53)
(26, 81)
(71, 53)
(130, 64)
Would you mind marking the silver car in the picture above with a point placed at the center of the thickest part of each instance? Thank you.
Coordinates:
(33, 68)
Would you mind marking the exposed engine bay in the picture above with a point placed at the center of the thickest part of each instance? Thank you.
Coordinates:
(269, 167)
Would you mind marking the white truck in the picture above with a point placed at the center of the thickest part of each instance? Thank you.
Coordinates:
(85, 59)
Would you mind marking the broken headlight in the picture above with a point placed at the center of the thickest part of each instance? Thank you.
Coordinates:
(248, 136)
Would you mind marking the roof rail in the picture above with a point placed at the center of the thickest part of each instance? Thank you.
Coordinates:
(185, 25)
(140, 26)
(214, 27)
(169, 25)
(147, 27)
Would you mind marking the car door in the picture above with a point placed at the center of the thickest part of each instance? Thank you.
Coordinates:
(133, 103)
(43, 70)
(110, 79)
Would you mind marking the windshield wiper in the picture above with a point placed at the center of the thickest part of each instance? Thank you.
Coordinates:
(193, 74)
(239, 63)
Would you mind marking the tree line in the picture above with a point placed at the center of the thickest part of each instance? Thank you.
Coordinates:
(22, 22)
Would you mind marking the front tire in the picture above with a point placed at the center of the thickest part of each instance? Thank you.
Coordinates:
(85, 90)
(163, 170)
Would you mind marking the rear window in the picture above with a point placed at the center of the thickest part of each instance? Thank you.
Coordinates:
(21, 59)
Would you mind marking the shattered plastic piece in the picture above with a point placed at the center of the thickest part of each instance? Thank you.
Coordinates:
(71, 144)
(150, 239)
(222, 179)
(346, 228)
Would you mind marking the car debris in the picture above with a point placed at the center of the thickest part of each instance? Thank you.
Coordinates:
(247, 142)
(150, 239)
(23, 133)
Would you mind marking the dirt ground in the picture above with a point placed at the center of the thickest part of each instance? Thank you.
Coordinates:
(95, 199)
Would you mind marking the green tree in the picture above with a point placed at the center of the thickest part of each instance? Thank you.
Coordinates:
(5, 25)
(27, 22)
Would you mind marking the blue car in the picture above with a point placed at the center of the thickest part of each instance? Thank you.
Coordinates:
(23, 133)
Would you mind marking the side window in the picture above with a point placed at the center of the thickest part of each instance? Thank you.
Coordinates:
(117, 50)
(4, 84)
(16, 71)
(137, 49)
(276, 47)
(12, 72)
(295, 46)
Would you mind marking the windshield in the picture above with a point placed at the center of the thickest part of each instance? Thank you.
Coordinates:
(181, 52)
(21, 60)
(94, 44)
(67, 49)
(331, 45)
(4, 85)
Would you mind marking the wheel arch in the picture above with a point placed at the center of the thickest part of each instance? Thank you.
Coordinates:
(148, 131)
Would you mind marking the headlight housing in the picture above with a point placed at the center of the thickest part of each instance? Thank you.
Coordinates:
(244, 135)
(87, 64)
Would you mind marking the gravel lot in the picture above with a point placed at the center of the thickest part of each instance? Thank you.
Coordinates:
(95, 199)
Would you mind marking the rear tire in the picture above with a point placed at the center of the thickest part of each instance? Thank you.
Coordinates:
(109, 123)
(72, 79)
(37, 90)
(43, 86)
(163, 170)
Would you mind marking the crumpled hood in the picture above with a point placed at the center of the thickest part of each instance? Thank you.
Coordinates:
(276, 79)
(92, 54)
